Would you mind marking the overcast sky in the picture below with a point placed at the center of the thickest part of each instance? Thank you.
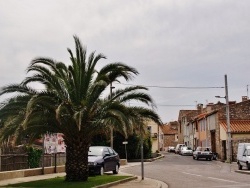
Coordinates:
(172, 43)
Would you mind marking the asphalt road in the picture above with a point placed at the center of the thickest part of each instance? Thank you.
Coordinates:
(184, 172)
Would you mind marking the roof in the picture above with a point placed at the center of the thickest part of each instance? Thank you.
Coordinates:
(189, 114)
(237, 126)
(167, 129)
(200, 116)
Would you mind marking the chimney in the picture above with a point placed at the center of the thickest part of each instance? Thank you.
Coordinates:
(209, 107)
(200, 107)
(244, 98)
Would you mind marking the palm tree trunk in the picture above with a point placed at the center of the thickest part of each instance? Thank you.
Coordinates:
(76, 166)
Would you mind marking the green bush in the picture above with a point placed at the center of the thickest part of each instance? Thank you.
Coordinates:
(133, 146)
(34, 157)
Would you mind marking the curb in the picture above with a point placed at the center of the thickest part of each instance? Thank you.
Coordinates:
(147, 160)
(242, 171)
(116, 182)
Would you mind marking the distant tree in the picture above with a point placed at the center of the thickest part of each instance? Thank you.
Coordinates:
(73, 102)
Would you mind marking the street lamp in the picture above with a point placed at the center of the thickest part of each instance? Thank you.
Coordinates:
(229, 147)
(111, 128)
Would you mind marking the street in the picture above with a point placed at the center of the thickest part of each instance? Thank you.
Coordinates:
(184, 172)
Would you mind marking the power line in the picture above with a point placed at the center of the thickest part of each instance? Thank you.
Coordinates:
(170, 105)
(174, 105)
(184, 87)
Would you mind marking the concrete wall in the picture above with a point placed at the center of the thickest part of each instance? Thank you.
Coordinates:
(30, 172)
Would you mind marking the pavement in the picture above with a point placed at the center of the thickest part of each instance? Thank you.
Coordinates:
(132, 182)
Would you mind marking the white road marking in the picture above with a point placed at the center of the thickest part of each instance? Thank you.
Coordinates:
(217, 179)
(191, 174)
(234, 186)
(223, 180)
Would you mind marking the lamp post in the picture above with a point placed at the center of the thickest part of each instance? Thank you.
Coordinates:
(229, 147)
(111, 128)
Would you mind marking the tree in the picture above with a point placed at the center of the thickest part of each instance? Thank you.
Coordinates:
(73, 102)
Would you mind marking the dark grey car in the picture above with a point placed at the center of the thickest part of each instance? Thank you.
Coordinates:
(103, 159)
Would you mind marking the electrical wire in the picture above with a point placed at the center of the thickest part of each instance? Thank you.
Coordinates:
(185, 87)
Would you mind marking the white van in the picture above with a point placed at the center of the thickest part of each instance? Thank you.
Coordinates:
(178, 148)
(243, 155)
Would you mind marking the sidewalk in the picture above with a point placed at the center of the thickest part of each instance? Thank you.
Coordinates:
(146, 183)
(134, 182)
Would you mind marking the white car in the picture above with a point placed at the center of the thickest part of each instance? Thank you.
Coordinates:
(171, 149)
(203, 152)
(185, 150)
(178, 148)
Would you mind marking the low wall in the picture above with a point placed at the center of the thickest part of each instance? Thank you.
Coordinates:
(30, 172)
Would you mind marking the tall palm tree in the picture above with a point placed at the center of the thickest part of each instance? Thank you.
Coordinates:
(73, 103)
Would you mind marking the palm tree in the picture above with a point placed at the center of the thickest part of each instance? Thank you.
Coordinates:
(73, 103)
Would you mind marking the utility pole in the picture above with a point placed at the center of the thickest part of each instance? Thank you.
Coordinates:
(142, 157)
(111, 127)
(229, 140)
(229, 145)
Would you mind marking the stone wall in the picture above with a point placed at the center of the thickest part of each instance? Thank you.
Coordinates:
(237, 110)
(169, 140)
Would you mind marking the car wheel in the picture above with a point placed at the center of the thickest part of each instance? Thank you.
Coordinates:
(101, 171)
(193, 158)
(239, 167)
(197, 158)
(116, 169)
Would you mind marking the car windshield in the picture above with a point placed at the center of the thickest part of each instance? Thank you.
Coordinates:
(248, 152)
(202, 149)
(95, 151)
(186, 148)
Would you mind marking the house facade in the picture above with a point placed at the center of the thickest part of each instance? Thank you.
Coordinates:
(156, 136)
(209, 127)
(184, 119)
(170, 134)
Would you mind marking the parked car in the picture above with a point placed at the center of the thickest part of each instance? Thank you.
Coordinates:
(171, 149)
(178, 147)
(185, 150)
(203, 152)
(243, 155)
(103, 159)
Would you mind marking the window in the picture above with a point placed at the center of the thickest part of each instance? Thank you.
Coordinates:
(248, 152)
(105, 152)
(111, 151)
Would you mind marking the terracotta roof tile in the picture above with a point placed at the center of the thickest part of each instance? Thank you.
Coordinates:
(237, 126)
(167, 129)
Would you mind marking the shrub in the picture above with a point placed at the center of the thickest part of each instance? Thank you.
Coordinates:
(34, 156)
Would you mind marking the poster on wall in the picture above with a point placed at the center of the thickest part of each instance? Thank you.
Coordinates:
(54, 143)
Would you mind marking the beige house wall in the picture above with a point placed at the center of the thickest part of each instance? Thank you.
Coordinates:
(223, 134)
(156, 136)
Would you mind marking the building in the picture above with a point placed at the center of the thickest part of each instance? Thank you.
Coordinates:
(208, 128)
(156, 136)
(170, 132)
